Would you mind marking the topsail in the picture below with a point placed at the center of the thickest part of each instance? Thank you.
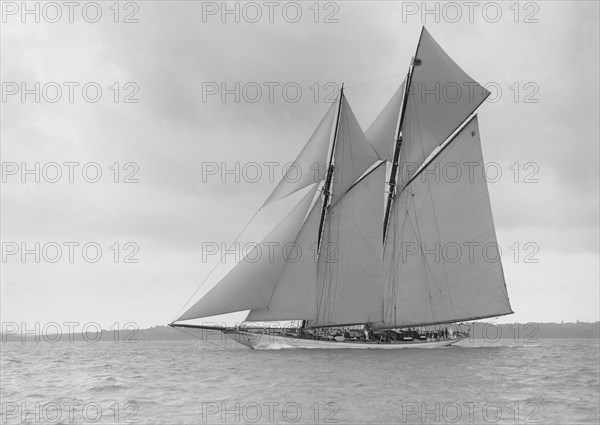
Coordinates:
(440, 97)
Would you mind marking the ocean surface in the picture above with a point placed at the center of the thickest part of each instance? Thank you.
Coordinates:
(191, 382)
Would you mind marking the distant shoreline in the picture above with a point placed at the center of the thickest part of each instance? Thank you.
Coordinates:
(519, 332)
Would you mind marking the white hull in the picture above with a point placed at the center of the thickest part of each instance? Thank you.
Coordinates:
(269, 342)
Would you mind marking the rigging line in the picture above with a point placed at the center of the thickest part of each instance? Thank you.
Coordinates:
(197, 337)
(395, 259)
(420, 213)
(407, 222)
(417, 231)
(375, 81)
(320, 301)
(442, 296)
(437, 228)
(216, 265)
(393, 266)
(428, 266)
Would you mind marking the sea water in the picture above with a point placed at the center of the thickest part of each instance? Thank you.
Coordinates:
(548, 381)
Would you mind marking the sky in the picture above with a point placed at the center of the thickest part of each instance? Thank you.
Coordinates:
(136, 93)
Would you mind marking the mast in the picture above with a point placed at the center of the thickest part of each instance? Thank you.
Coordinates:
(330, 171)
(398, 143)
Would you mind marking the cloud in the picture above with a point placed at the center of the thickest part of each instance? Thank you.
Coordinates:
(175, 128)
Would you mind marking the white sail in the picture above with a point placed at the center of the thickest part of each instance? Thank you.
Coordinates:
(295, 296)
(441, 97)
(441, 256)
(350, 269)
(353, 156)
(251, 283)
(311, 164)
(440, 263)
(383, 131)
(353, 152)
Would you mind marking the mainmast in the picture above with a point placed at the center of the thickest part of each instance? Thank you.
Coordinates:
(330, 171)
(398, 144)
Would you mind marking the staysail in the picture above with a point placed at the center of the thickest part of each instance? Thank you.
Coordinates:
(442, 257)
(311, 164)
(295, 295)
(251, 283)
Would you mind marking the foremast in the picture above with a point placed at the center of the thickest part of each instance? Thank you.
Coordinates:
(330, 172)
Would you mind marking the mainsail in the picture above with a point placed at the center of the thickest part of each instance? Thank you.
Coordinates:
(442, 257)
(350, 271)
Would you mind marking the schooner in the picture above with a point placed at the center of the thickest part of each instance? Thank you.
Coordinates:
(401, 251)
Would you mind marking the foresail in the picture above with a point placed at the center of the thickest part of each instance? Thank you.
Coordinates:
(441, 258)
(311, 164)
(350, 270)
(251, 283)
(441, 97)
(295, 297)
(383, 131)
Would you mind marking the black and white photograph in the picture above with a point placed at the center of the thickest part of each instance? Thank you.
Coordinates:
(300, 212)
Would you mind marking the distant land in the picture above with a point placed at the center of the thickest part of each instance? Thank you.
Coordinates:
(519, 332)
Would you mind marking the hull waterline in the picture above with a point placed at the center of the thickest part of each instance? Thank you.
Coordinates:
(269, 341)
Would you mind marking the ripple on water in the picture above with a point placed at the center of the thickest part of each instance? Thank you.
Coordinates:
(170, 381)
